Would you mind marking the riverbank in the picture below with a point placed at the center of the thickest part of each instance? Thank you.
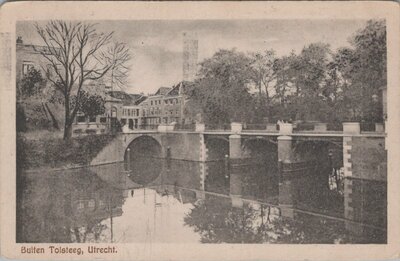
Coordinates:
(58, 153)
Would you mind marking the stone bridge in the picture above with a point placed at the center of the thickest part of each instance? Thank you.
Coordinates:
(288, 146)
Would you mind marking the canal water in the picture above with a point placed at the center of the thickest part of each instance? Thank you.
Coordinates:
(154, 200)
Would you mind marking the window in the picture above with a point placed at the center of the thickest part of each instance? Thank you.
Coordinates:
(80, 119)
(91, 204)
(92, 119)
(137, 112)
(165, 101)
(123, 121)
(151, 103)
(103, 119)
(26, 66)
(80, 205)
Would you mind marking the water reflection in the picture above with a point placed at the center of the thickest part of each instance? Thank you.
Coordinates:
(181, 201)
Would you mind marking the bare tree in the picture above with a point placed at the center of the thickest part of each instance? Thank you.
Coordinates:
(119, 56)
(74, 51)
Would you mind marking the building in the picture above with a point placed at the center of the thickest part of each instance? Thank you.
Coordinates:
(190, 56)
(29, 56)
(166, 106)
(132, 115)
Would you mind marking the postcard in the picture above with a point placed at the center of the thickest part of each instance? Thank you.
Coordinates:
(200, 130)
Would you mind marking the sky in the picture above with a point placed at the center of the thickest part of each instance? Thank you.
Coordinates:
(156, 45)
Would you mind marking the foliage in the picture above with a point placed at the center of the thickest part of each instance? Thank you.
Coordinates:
(218, 222)
(317, 84)
(58, 152)
(221, 92)
(89, 104)
(32, 84)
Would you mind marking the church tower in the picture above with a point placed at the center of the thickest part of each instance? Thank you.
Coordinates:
(190, 56)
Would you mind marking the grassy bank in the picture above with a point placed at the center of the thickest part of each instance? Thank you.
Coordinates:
(58, 153)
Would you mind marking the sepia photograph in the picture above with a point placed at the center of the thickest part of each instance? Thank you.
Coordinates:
(207, 131)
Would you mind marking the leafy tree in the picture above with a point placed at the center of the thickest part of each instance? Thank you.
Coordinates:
(221, 92)
(89, 104)
(31, 84)
(74, 51)
(365, 73)
(33, 91)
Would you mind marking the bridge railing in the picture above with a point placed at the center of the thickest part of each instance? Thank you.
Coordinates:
(146, 127)
(187, 127)
(218, 127)
(284, 128)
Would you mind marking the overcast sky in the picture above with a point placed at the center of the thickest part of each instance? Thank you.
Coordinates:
(156, 45)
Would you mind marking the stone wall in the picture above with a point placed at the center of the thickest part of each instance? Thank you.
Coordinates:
(184, 146)
(365, 158)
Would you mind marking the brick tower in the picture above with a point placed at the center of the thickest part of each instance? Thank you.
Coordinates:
(190, 54)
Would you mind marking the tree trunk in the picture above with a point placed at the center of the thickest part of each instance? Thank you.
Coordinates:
(68, 121)
(67, 131)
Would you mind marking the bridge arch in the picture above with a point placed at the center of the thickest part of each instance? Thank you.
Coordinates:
(144, 146)
(144, 151)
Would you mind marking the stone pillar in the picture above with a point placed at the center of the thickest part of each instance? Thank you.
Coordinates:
(235, 186)
(162, 128)
(200, 127)
(236, 127)
(286, 184)
(235, 147)
(285, 150)
(285, 128)
(379, 127)
(351, 128)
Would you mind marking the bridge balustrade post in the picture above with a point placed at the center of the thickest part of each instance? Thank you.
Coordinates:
(236, 127)
(379, 127)
(200, 127)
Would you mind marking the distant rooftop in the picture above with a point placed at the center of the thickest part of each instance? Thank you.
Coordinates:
(163, 90)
